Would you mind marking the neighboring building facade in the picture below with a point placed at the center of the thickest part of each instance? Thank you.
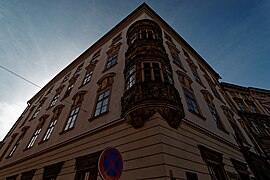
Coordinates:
(142, 89)
(251, 105)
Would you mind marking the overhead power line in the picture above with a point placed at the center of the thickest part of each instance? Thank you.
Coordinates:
(20, 77)
(31, 82)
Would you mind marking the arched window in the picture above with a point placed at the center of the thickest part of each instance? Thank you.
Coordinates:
(103, 94)
(74, 111)
(56, 113)
(211, 106)
(188, 91)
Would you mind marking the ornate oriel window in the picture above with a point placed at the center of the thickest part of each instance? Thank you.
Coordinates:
(74, 111)
(103, 94)
(148, 77)
(37, 131)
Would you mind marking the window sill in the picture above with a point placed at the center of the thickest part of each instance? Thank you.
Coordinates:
(95, 117)
(197, 114)
(65, 131)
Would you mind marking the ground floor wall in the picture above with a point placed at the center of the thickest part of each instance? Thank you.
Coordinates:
(155, 151)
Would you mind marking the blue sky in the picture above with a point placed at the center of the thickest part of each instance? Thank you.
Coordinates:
(39, 38)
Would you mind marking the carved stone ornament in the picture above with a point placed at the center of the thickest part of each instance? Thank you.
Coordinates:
(91, 66)
(59, 89)
(114, 49)
(73, 79)
(172, 47)
(105, 81)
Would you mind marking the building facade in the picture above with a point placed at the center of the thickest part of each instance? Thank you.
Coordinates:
(142, 89)
(251, 105)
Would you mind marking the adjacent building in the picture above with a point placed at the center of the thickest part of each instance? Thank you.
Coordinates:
(142, 89)
(251, 105)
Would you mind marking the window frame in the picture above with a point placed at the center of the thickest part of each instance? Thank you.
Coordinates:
(152, 72)
(73, 115)
(111, 61)
(87, 77)
(131, 77)
(34, 138)
(102, 100)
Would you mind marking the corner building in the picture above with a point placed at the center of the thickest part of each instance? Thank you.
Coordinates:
(142, 89)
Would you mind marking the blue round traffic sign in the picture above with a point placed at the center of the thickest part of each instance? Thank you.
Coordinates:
(110, 164)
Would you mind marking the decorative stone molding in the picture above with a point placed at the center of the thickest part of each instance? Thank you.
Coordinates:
(106, 81)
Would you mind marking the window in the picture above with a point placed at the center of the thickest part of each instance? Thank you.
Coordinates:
(209, 100)
(66, 78)
(51, 172)
(216, 171)
(168, 76)
(191, 176)
(87, 77)
(12, 177)
(252, 107)
(86, 167)
(88, 174)
(215, 117)
(36, 112)
(241, 106)
(112, 60)
(28, 175)
(133, 38)
(72, 118)
(196, 75)
(244, 96)
(214, 162)
(69, 89)
(186, 53)
(49, 130)
(130, 78)
(102, 103)
(188, 92)
(152, 72)
(34, 138)
(255, 127)
(14, 149)
(176, 60)
(79, 68)
(75, 108)
(191, 102)
(54, 100)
